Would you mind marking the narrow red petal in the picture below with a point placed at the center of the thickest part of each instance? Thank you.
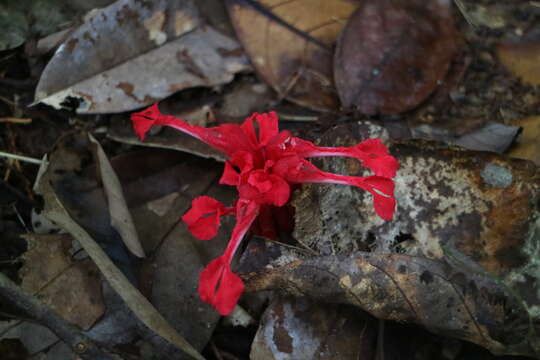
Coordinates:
(268, 127)
(219, 286)
(230, 176)
(297, 170)
(372, 153)
(227, 138)
(246, 213)
(203, 219)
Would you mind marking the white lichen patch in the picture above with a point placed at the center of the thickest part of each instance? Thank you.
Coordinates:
(154, 26)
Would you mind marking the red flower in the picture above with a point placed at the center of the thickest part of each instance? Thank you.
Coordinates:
(263, 168)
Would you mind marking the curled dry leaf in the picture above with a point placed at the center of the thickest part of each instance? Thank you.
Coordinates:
(291, 45)
(121, 218)
(393, 54)
(134, 53)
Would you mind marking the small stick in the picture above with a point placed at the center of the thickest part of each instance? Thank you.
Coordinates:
(21, 158)
(15, 120)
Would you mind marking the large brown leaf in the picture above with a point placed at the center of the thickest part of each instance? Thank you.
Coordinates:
(134, 53)
(393, 54)
(466, 224)
(291, 45)
(445, 300)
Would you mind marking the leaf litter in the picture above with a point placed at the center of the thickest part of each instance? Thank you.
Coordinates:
(458, 259)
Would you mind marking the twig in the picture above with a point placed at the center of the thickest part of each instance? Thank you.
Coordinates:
(20, 158)
(80, 344)
(464, 12)
(15, 120)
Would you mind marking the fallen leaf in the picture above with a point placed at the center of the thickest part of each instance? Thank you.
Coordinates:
(156, 49)
(392, 55)
(476, 212)
(291, 45)
(522, 57)
(141, 307)
(72, 288)
(445, 300)
(119, 213)
(175, 283)
(528, 146)
(301, 329)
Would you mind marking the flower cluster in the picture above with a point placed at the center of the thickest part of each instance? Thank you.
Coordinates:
(264, 168)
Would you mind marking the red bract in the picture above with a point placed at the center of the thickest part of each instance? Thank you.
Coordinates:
(263, 167)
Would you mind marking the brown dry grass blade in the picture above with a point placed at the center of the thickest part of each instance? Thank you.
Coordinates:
(121, 218)
(291, 45)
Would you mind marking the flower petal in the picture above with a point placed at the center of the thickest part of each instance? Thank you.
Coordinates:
(230, 176)
(268, 127)
(297, 170)
(203, 219)
(227, 138)
(219, 286)
(371, 152)
(264, 188)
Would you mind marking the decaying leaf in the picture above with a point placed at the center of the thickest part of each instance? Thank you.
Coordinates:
(120, 216)
(291, 45)
(443, 299)
(520, 56)
(58, 212)
(134, 53)
(528, 146)
(393, 54)
(301, 329)
(72, 288)
(467, 221)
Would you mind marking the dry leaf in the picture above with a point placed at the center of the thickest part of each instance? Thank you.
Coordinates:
(301, 329)
(73, 289)
(393, 54)
(528, 145)
(291, 45)
(475, 212)
(120, 216)
(141, 307)
(443, 299)
(175, 282)
(156, 49)
(522, 57)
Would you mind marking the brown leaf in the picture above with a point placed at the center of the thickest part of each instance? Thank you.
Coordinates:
(393, 54)
(156, 49)
(439, 297)
(520, 56)
(58, 212)
(476, 211)
(72, 288)
(291, 45)
(175, 279)
(301, 329)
